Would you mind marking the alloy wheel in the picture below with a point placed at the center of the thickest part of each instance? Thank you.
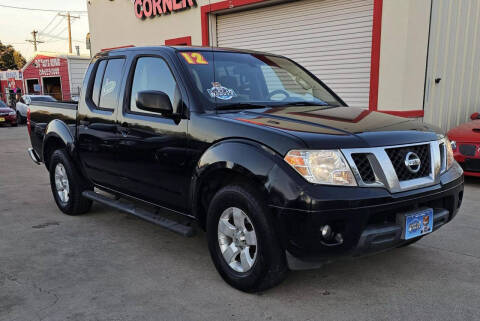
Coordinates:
(237, 239)
(61, 183)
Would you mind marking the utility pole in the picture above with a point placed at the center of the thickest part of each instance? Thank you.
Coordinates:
(69, 21)
(34, 41)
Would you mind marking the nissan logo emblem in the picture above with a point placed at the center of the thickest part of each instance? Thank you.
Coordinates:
(413, 162)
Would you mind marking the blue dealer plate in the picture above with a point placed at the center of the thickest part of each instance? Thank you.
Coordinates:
(420, 223)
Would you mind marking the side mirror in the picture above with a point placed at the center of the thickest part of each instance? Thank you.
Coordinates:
(475, 116)
(155, 101)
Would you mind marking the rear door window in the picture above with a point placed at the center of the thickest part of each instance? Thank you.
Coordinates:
(111, 84)
(107, 83)
(97, 85)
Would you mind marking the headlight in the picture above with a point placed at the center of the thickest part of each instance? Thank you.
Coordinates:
(12, 113)
(322, 167)
(449, 152)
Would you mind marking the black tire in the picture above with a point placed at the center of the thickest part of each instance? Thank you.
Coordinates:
(76, 203)
(270, 266)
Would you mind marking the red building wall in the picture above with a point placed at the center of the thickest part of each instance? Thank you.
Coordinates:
(6, 78)
(48, 66)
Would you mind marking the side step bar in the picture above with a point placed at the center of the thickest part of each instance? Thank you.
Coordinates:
(130, 208)
(33, 155)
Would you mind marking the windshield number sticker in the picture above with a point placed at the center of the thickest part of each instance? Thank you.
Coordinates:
(194, 58)
(220, 92)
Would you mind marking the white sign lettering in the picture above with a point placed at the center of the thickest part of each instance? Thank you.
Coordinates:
(49, 72)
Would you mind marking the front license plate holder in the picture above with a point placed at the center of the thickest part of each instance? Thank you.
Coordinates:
(416, 223)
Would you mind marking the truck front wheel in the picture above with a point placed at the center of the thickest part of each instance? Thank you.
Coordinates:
(242, 242)
(67, 185)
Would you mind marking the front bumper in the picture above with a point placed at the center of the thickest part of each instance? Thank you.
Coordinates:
(365, 217)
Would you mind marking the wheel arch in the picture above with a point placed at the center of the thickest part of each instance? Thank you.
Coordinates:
(240, 161)
(57, 135)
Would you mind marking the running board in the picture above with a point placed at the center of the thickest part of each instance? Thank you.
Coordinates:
(130, 208)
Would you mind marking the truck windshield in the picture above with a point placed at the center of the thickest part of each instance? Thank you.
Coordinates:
(227, 80)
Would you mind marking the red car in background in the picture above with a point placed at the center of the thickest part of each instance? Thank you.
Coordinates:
(466, 145)
(7, 115)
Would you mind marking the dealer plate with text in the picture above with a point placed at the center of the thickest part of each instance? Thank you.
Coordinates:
(2, 119)
(419, 223)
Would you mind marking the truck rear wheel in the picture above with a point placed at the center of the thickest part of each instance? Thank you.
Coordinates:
(67, 185)
(242, 242)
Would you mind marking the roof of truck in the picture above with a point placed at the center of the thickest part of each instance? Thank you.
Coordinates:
(185, 48)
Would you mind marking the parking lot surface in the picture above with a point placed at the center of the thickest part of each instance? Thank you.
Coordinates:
(107, 265)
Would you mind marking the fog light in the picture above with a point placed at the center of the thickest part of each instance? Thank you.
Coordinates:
(339, 238)
(326, 232)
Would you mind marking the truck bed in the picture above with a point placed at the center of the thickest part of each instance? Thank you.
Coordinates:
(42, 113)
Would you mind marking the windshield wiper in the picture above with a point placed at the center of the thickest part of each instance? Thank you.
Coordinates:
(305, 103)
(241, 106)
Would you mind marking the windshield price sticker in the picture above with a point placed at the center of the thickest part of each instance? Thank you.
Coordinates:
(194, 58)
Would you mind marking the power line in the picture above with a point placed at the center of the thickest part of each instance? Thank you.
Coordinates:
(49, 24)
(49, 34)
(39, 9)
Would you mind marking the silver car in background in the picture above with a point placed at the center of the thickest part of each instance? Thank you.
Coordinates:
(25, 101)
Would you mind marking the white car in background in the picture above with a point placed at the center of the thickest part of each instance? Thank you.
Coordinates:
(25, 101)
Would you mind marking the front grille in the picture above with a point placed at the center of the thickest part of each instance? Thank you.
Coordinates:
(471, 165)
(467, 149)
(398, 156)
(364, 167)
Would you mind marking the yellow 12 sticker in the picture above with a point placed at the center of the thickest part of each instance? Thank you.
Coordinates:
(194, 58)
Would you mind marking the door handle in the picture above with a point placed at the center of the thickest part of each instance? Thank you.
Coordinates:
(102, 127)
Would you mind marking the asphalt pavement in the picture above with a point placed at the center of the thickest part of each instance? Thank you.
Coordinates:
(108, 266)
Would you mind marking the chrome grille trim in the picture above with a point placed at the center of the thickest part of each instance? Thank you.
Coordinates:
(385, 174)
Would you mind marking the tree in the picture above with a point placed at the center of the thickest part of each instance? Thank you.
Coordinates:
(10, 58)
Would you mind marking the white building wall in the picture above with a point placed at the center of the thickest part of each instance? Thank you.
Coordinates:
(454, 60)
(113, 24)
(403, 54)
(77, 69)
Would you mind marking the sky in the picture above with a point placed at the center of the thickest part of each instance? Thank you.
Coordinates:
(17, 25)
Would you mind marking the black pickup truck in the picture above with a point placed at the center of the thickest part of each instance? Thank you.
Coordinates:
(250, 147)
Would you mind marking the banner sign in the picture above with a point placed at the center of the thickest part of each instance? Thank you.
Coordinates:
(16, 74)
(11, 83)
(151, 8)
(48, 66)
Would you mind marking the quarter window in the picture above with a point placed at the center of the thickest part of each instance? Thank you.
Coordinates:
(153, 74)
(97, 86)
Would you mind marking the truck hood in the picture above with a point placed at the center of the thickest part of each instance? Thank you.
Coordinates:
(337, 127)
(466, 133)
